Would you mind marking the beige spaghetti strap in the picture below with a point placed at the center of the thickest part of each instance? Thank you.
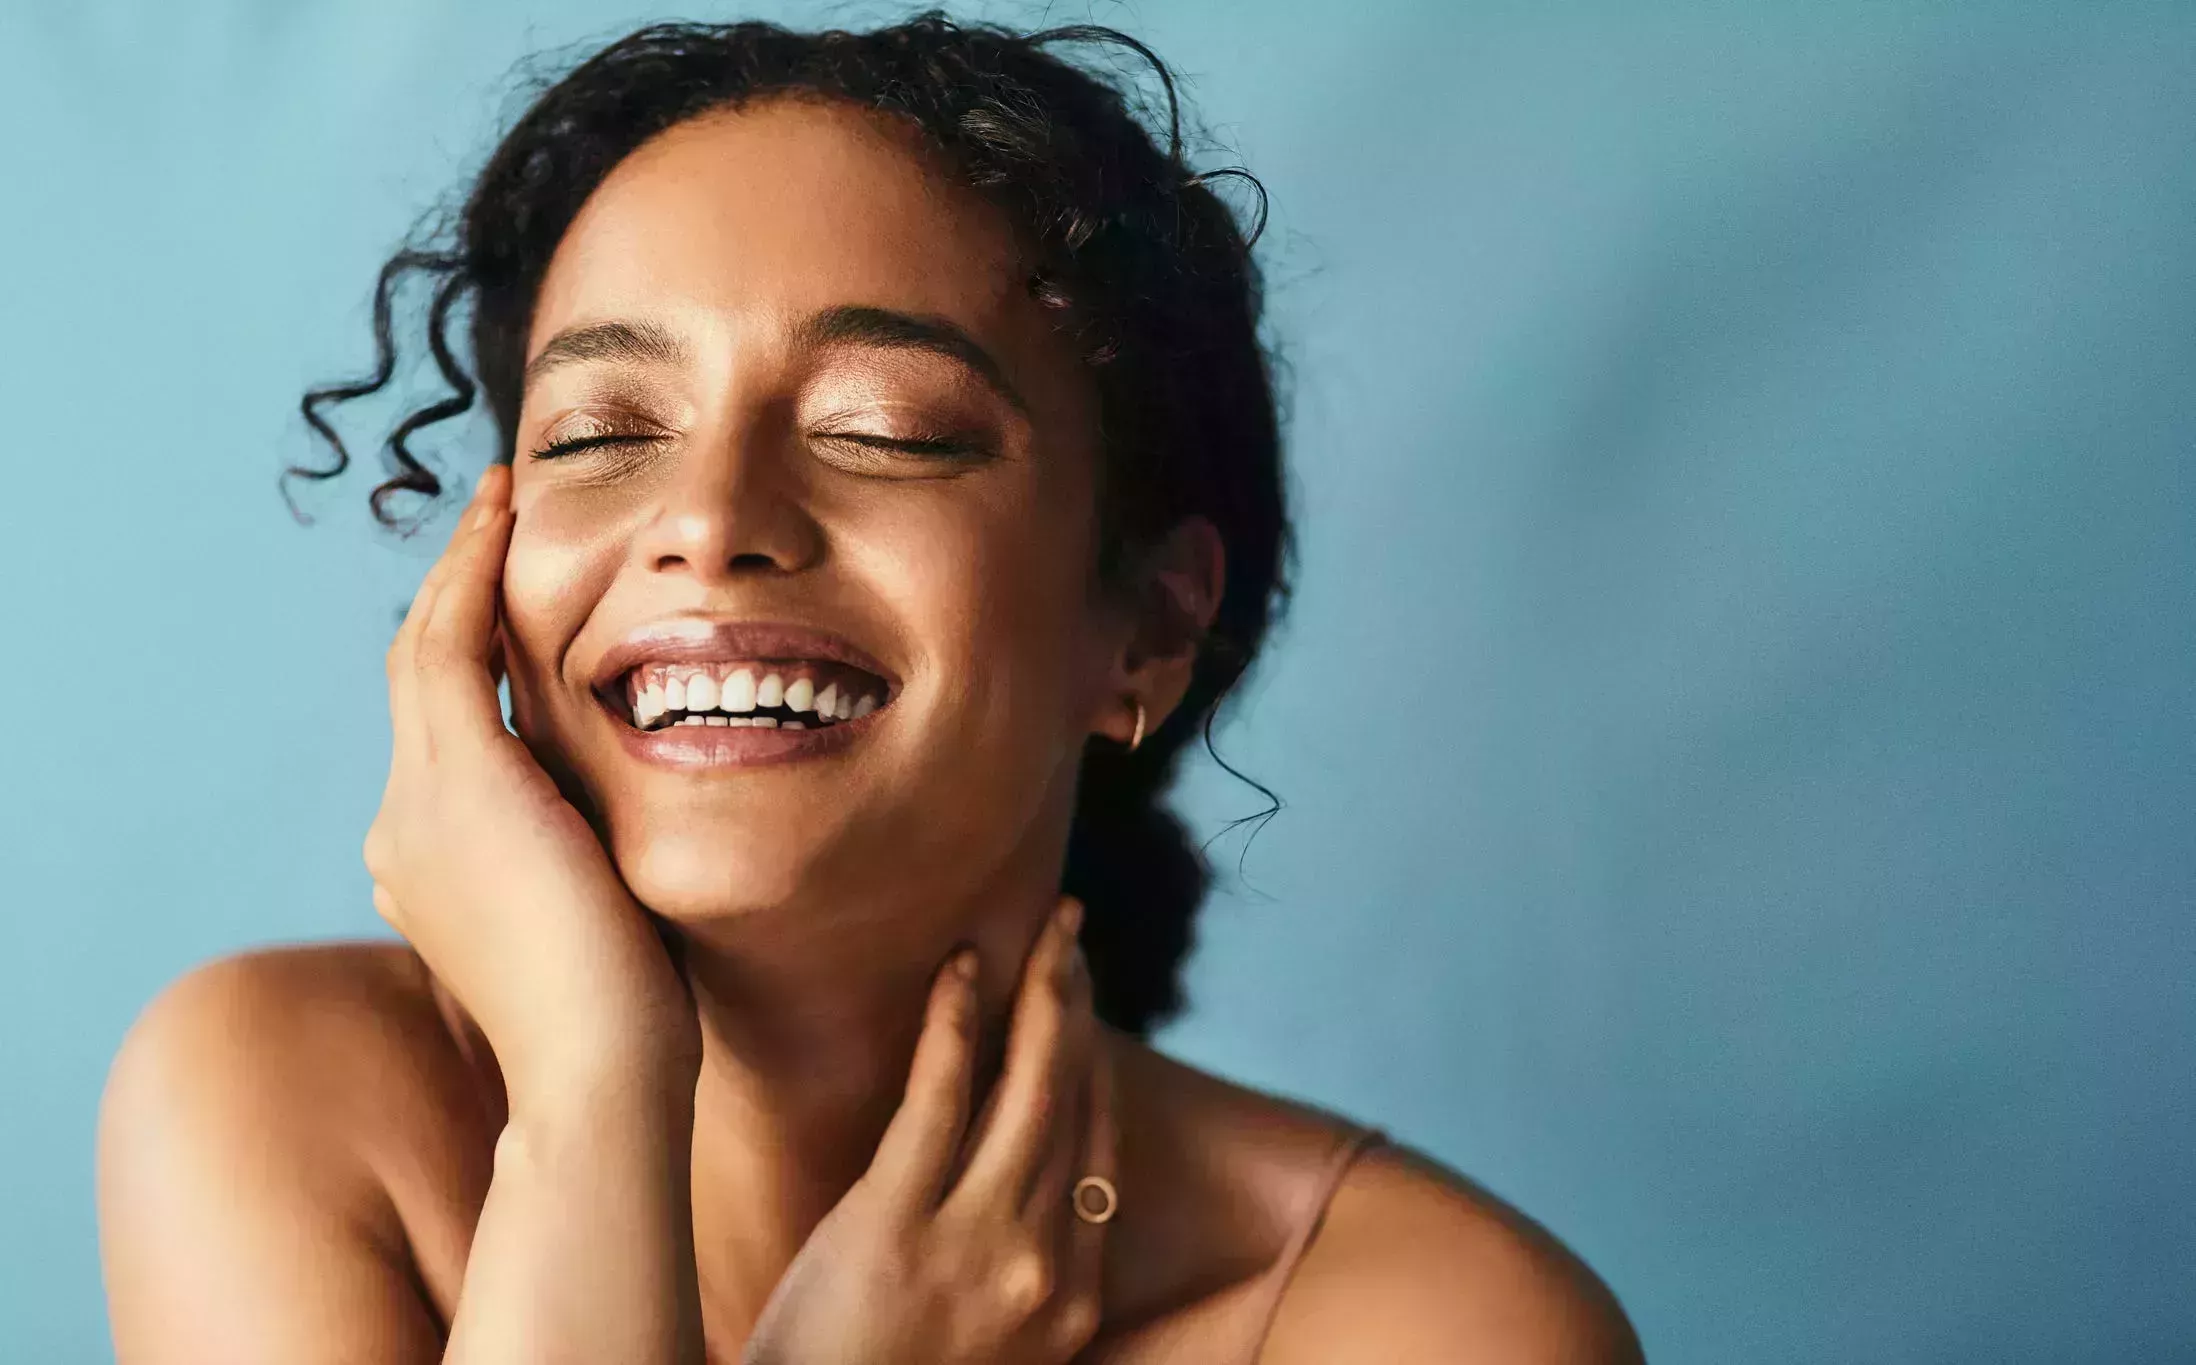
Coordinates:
(1322, 1194)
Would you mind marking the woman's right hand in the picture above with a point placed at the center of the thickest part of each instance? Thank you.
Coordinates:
(497, 881)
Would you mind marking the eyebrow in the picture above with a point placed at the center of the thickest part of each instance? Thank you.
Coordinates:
(649, 343)
(644, 343)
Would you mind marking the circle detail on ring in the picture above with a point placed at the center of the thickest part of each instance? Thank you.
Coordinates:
(1105, 1188)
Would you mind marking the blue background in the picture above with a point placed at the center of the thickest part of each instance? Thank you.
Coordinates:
(1737, 723)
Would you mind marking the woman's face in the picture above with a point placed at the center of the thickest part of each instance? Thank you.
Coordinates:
(827, 437)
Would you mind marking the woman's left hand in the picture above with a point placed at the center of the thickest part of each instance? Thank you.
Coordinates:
(953, 1253)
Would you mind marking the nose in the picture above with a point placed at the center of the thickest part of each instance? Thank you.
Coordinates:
(732, 508)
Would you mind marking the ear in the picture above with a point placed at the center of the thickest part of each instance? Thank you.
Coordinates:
(1177, 592)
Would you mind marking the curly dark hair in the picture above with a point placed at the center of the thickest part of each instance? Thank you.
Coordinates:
(1145, 264)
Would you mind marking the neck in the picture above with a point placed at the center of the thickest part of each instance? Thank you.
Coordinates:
(806, 1049)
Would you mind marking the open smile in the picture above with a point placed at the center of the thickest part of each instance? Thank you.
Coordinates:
(705, 693)
(792, 695)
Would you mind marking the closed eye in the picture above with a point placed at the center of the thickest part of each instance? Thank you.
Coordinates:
(579, 443)
(910, 445)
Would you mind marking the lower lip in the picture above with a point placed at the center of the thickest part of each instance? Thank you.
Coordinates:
(691, 747)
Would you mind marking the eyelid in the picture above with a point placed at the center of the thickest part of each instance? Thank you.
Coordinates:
(942, 444)
(585, 427)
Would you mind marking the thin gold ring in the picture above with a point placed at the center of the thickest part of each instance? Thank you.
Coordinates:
(1104, 1187)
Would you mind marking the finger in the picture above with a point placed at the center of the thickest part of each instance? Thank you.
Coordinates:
(462, 611)
(492, 489)
(916, 1153)
(455, 641)
(1082, 1279)
(403, 659)
(1012, 1142)
(1100, 1157)
(1045, 1203)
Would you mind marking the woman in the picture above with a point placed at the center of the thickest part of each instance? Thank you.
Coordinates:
(889, 488)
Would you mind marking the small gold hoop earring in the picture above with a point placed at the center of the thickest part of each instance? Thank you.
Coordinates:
(1137, 738)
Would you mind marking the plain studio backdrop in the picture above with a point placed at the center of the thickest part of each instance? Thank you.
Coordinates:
(1738, 724)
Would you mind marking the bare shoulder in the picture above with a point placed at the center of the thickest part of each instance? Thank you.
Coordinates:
(315, 1040)
(1414, 1262)
(258, 1129)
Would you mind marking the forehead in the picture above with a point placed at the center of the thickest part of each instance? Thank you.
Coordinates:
(779, 209)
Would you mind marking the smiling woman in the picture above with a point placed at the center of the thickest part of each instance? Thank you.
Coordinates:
(889, 488)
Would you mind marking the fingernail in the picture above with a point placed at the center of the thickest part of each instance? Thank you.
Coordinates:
(1071, 917)
(965, 963)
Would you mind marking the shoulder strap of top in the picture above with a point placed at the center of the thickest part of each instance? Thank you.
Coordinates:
(1354, 1142)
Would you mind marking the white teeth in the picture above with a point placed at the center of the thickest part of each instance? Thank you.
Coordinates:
(793, 725)
(681, 695)
(739, 691)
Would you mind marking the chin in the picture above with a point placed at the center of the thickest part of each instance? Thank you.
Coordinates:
(691, 878)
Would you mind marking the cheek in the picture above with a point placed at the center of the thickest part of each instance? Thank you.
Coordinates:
(999, 594)
(548, 580)
(995, 586)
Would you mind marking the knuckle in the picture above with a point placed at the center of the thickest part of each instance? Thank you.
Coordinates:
(1076, 1319)
(376, 851)
(1026, 1280)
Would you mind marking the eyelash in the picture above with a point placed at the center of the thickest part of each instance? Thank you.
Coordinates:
(935, 447)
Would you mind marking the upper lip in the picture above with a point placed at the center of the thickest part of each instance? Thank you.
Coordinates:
(706, 639)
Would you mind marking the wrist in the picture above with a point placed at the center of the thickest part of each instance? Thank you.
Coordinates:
(582, 1080)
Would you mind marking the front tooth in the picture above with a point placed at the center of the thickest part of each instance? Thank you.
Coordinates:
(701, 693)
(674, 694)
(738, 693)
(827, 702)
(772, 691)
(801, 696)
(863, 707)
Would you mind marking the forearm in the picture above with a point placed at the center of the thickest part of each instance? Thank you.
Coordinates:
(584, 1251)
